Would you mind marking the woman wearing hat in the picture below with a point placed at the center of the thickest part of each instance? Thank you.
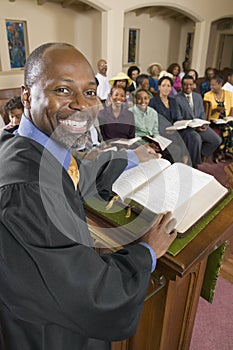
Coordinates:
(122, 80)
(154, 70)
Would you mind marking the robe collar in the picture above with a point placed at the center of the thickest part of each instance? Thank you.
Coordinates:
(29, 130)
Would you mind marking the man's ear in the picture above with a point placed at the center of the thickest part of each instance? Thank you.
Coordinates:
(25, 96)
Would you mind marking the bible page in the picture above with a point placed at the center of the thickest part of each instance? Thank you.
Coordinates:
(179, 124)
(131, 180)
(186, 192)
(196, 122)
(162, 141)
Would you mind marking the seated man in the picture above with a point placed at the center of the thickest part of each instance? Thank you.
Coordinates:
(205, 85)
(202, 141)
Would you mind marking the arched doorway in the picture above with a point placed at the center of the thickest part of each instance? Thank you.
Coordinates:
(165, 35)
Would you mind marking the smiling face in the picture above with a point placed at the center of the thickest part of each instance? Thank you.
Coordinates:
(118, 96)
(215, 86)
(155, 70)
(165, 87)
(62, 102)
(187, 85)
(145, 84)
(176, 71)
(102, 67)
(142, 100)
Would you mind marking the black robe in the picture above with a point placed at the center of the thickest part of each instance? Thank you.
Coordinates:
(56, 292)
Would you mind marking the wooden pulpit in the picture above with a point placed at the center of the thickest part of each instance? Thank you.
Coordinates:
(170, 307)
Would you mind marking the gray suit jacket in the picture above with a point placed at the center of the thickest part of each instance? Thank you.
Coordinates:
(184, 111)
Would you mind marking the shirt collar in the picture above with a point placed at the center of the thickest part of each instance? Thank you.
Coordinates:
(29, 130)
(142, 112)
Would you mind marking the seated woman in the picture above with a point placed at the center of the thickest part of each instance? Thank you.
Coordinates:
(146, 118)
(116, 121)
(13, 111)
(174, 69)
(166, 107)
(222, 106)
(142, 82)
(133, 72)
(124, 81)
(147, 124)
(166, 74)
(154, 70)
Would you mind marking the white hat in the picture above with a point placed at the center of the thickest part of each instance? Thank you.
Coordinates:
(164, 73)
(154, 64)
(121, 76)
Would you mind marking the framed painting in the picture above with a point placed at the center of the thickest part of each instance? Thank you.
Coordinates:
(133, 45)
(17, 43)
(189, 46)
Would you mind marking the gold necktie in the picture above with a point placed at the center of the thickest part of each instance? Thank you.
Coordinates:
(190, 101)
(74, 172)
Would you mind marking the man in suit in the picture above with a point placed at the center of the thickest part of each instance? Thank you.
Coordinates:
(201, 141)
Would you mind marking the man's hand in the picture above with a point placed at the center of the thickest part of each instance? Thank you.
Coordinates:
(145, 153)
(201, 128)
(161, 234)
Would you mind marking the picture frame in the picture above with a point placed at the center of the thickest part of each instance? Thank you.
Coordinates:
(133, 45)
(17, 40)
(189, 46)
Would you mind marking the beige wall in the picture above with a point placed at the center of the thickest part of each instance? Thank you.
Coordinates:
(46, 23)
(100, 32)
(159, 39)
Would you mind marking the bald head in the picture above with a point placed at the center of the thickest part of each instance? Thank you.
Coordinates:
(102, 66)
(37, 61)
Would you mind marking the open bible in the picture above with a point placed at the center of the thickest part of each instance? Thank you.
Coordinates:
(160, 187)
(192, 123)
(126, 142)
(161, 142)
(224, 120)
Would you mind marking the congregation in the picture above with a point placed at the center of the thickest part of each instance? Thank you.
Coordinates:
(140, 104)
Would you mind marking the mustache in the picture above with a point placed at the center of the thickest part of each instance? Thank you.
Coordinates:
(87, 113)
(77, 115)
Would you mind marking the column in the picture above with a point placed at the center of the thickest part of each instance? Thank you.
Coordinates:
(200, 46)
(112, 39)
